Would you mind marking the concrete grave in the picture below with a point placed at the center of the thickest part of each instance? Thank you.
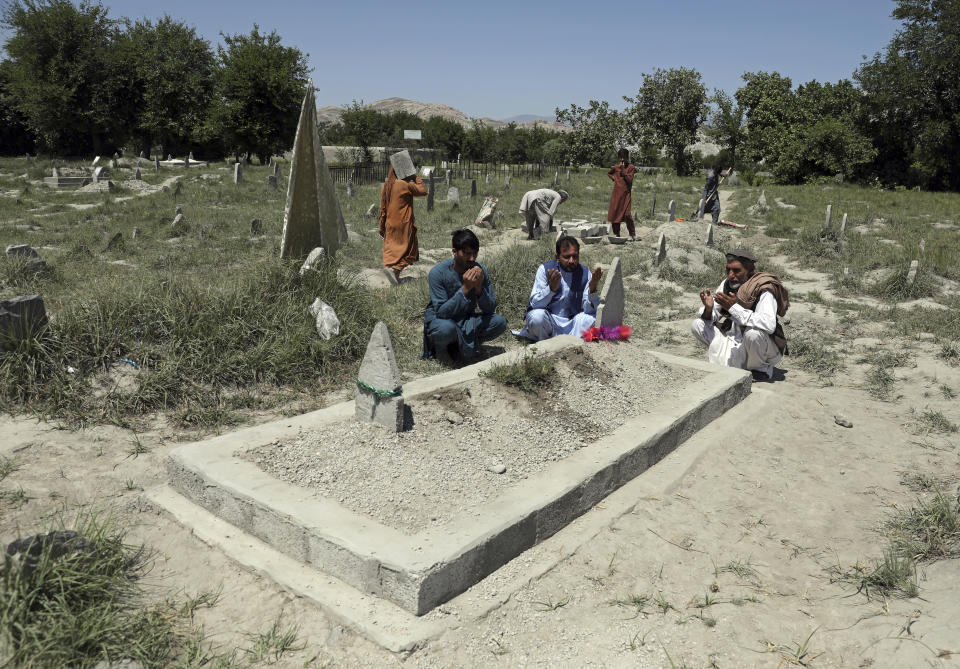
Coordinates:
(379, 395)
(453, 196)
(672, 210)
(661, 249)
(829, 218)
(418, 569)
(312, 216)
(612, 297)
(403, 164)
(238, 173)
(21, 318)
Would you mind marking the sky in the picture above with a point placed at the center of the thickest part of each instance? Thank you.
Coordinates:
(498, 58)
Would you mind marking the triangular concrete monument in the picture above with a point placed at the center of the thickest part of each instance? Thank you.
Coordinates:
(312, 216)
(612, 297)
(661, 249)
(379, 396)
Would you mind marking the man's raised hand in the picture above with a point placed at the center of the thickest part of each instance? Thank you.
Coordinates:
(473, 279)
(707, 298)
(553, 278)
(595, 278)
(724, 300)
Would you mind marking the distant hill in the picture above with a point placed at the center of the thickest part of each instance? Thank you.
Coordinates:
(529, 118)
(424, 110)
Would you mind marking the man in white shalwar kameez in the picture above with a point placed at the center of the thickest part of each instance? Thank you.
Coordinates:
(539, 207)
(738, 322)
(564, 298)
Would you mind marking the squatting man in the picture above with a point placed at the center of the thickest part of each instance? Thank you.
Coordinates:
(738, 322)
(564, 298)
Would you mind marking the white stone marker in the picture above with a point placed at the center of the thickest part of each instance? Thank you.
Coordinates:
(379, 395)
(709, 238)
(826, 225)
(672, 209)
(843, 224)
(237, 173)
(912, 272)
(612, 297)
(661, 249)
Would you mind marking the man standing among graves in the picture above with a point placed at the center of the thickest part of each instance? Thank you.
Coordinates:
(539, 207)
(711, 194)
(564, 298)
(459, 288)
(397, 225)
(738, 322)
(621, 200)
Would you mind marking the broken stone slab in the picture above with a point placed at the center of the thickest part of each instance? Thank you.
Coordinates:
(21, 318)
(32, 261)
(403, 164)
(372, 209)
(379, 394)
(314, 258)
(312, 216)
(237, 173)
(256, 227)
(661, 250)
(180, 226)
(453, 196)
(326, 321)
(671, 210)
(612, 297)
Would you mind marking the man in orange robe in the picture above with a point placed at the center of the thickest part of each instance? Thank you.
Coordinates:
(397, 224)
(621, 198)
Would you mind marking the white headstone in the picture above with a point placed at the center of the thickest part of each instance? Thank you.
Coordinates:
(826, 225)
(672, 209)
(612, 297)
(237, 173)
(912, 272)
(312, 217)
(453, 195)
(843, 224)
(315, 257)
(403, 164)
(379, 395)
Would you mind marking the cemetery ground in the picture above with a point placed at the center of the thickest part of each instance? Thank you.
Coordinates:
(773, 537)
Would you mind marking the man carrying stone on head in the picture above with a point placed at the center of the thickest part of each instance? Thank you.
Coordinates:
(459, 287)
(539, 207)
(564, 298)
(738, 322)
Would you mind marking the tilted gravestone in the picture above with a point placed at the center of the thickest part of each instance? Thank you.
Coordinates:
(826, 224)
(661, 250)
(314, 258)
(180, 226)
(312, 216)
(672, 209)
(21, 318)
(402, 164)
(114, 242)
(379, 395)
(612, 297)
(95, 161)
(237, 173)
(709, 237)
(912, 272)
(372, 209)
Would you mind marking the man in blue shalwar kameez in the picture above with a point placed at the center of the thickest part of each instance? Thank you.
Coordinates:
(452, 328)
(564, 298)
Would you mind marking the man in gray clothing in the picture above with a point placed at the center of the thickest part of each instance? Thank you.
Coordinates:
(539, 207)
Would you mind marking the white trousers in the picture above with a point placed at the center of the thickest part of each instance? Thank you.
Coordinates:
(541, 324)
(750, 349)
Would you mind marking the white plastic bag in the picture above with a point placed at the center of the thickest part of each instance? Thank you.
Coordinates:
(725, 349)
(327, 322)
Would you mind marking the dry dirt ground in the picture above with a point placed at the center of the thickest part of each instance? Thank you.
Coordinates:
(734, 566)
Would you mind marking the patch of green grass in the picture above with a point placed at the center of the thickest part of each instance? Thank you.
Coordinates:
(741, 568)
(551, 605)
(531, 374)
(271, 644)
(880, 382)
(634, 601)
(929, 530)
(947, 392)
(814, 354)
(950, 352)
(8, 466)
(934, 421)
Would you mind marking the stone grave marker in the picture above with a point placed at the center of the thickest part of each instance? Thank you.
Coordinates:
(32, 261)
(912, 272)
(473, 188)
(453, 196)
(178, 210)
(21, 318)
(137, 175)
(403, 164)
(430, 193)
(99, 172)
(653, 207)
(169, 157)
(237, 173)
(372, 209)
(506, 182)
(186, 161)
(312, 216)
(923, 245)
(709, 237)
(134, 233)
(350, 192)
(314, 258)
(486, 179)
(156, 163)
(556, 179)
(95, 161)
(843, 224)
(271, 181)
(180, 226)
(447, 176)
(568, 175)
(379, 395)
(661, 250)
(612, 297)
(826, 224)
(672, 210)
(190, 156)
(700, 209)
(276, 170)
(256, 227)
(141, 154)
(115, 242)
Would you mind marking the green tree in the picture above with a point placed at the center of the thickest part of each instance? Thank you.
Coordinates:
(912, 96)
(669, 108)
(726, 123)
(65, 74)
(444, 135)
(596, 132)
(260, 87)
(362, 128)
(15, 136)
(766, 99)
(479, 142)
(174, 71)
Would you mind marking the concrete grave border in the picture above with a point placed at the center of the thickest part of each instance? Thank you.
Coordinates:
(418, 572)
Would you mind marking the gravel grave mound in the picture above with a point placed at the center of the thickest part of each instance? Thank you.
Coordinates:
(447, 461)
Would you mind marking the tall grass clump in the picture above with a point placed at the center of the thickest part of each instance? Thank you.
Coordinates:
(191, 343)
(512, 273)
